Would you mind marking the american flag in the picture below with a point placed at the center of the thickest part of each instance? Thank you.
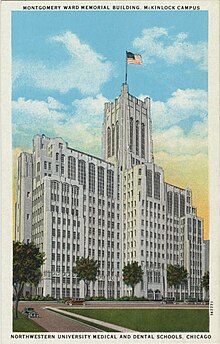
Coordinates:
(133, 59)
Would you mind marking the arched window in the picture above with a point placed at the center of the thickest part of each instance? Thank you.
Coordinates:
(150, 294)
(113, 139)
(108, 142)
(75, 190)
(142, 140)
(137, 137)
(158, 295)
(131, 132)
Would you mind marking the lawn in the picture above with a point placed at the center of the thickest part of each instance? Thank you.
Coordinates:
(23, 324)
(152, 320)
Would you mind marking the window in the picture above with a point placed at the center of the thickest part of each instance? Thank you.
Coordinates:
(117, 136)
(82, 172)
(176, 204)
(182, 205)
(75, 190)
(113, 139)
(157, 185)
(38, 167)
(110, 183)
(62, 163)
(91, 177)
(131, 133)
(108, 142)
(101, 180)
(71, 167)
(142, 140)
(169, 202)
(149, 183)
(137, 137)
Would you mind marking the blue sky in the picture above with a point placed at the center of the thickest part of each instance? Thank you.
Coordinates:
(72, 56)
(66, 65)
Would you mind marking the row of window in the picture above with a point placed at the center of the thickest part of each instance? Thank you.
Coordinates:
(175, 204)
(92, 177)
(149, 177)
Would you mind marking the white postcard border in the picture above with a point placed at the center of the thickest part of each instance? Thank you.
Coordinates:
(6, 170)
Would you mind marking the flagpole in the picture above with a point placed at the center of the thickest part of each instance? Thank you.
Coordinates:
(126, 68)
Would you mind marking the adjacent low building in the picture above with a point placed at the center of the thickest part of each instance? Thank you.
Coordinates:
(117, 210)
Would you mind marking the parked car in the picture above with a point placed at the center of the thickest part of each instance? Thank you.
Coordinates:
(167, 300)
(27, 310)
(75, 302)
(191, 300)
(33, 315)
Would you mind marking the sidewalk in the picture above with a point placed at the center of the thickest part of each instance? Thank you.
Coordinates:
(54, 322)
(91, 320)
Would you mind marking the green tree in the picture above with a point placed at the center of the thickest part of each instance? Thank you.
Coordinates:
(176, 275)
(86, 269)
(27, 262)
(205, 281)
(132, 275)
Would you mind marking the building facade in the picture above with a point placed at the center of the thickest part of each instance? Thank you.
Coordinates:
(117, 210)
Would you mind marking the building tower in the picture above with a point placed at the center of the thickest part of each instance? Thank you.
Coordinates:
(117, 210)
(127, 131)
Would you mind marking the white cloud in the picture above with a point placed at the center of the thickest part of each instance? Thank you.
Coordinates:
(85, 69)
(83, 130)
(80, 124)
(182, 105)
(47, 110)
(156, 43)
(175, 141)
(180, 125)
(90, 107)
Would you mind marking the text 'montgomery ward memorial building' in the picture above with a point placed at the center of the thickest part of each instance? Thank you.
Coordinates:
(117, 210)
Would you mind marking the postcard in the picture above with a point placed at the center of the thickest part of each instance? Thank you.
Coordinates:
(110, 170)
